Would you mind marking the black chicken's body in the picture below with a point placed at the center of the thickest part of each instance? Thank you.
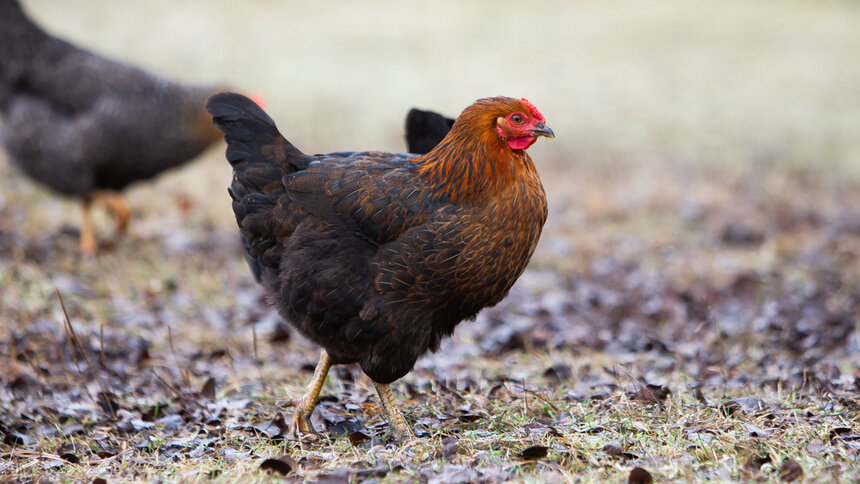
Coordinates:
(78, 122)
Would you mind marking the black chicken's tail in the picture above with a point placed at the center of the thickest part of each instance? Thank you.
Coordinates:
(260, 157)
(425, 129)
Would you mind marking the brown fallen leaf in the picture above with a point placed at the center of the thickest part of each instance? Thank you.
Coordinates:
(558, 373)
(614, 449)
(339, 476)
(790, 470)
(745, 405)
(208, 390)
(650, 394)
(639, 476)
(450, 446)
(741, 234)
(70, 457)
(107, 403)
(842, 433)
(357, 438)
(754, 463)
(533, 453)
(105, 453)
(282, 465)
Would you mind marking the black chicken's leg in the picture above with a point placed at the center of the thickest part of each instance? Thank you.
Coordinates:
(117, 207)
(300, 425)
(115, 204)
(88, 243)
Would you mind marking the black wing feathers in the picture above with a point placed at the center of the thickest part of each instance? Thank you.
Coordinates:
(308, 189)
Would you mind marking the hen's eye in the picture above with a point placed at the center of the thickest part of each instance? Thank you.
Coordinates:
(517, 118)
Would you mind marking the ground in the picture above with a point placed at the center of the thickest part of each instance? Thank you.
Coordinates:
(692, 309)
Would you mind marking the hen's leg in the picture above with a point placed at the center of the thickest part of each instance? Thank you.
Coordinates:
(398, 428)
(300, 425)
(116, 205)
(88, 236)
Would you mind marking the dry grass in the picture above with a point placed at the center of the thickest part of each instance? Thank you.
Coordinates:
(674, 120)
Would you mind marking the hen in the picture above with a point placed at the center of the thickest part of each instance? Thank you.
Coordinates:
(87, 126)
(378, 256)
(425, 129)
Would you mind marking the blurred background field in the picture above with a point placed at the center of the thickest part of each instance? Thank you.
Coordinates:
(707, 147)
(639, 92)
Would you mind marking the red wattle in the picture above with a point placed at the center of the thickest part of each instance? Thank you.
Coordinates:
(521, 143)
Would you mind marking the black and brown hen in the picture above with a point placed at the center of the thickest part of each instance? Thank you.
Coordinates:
(378, 256)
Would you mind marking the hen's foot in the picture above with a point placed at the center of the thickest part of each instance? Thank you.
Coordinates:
(300, 426)
(399, 430)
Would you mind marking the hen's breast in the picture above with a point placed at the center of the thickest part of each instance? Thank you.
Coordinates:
(464, 259)
(500, 238)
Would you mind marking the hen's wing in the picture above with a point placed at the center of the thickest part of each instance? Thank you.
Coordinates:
(372, 195)
(425, 129)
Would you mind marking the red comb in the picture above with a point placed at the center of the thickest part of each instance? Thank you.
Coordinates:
(537, 115)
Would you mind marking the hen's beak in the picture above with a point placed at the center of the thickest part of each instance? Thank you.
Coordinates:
(541, 129)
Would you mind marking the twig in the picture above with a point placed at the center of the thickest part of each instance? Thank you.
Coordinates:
(536, 395)
(721, 343)
(72, 335)
(254, 333)
(178, 393)
(102, 345)
(182, 370)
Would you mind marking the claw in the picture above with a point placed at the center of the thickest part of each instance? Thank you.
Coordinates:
(300, 427)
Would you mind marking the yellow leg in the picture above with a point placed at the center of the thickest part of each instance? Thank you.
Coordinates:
(88, 235)
(300, 425)
(398, 428)
(118, 208)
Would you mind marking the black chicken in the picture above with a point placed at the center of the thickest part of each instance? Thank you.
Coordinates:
(87, 126)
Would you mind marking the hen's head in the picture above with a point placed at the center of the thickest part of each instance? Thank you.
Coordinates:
(516, 123)
(485, 150)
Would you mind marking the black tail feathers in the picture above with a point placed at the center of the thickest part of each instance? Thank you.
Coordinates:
(425, 129)
(260, 157)
(250, 133)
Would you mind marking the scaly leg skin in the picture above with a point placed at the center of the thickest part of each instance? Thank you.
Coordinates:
(300, 425)
(116, 205)
(399, 430)
(88, 236)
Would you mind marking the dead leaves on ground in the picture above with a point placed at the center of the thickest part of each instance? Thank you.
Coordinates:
(123, 390)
